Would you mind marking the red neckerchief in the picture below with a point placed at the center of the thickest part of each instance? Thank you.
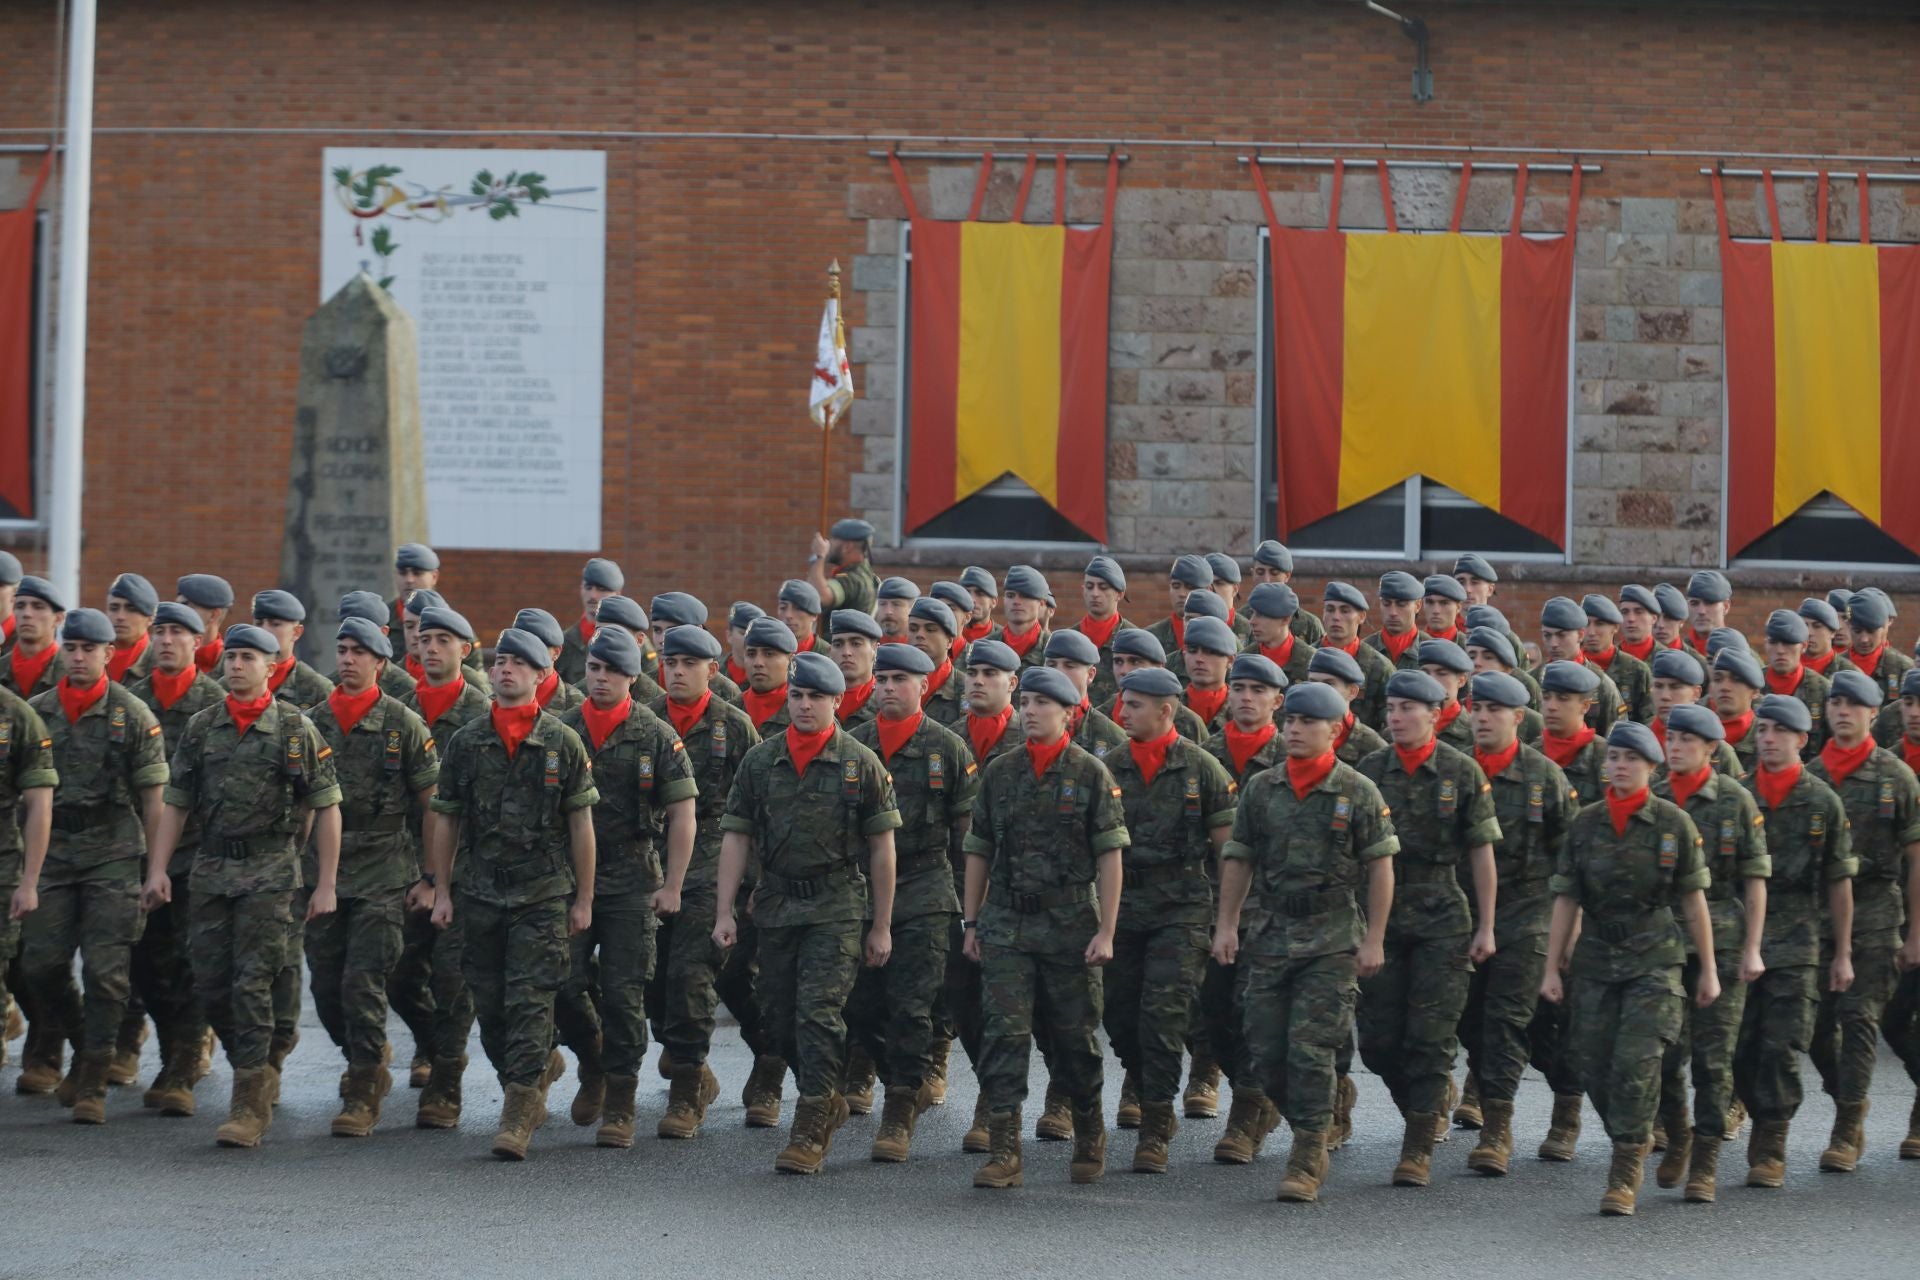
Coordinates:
(1841, 762)
(1243, 746)
(1690, 637)
(1305, 775)
(937, 681)
(954, 650)
(1395, 645)
(1603, 658)
(1021, 641)
(76, 701)
(1788, 683)
(1737, 727)
(1346, 731)
(600, 723)
(350, 708)
(854, 699)
(1685, 784)
(207, 656)
(278, 676)
(734, 673)
(894, 733)
(435, 699)
(1042, 756)
(6, 628)
(685, 715)
(1446, 715)
(1659, 727)
(1412, 760)
(1179, 630)
(984, 732)
(245, 713)
(544, 691)
(1148, 757)
(1620, 808)
(1868, 662)
(762, 706)
(120, 661)
(1450, 633)
(1351, 648)
(414, 669)
(587, 627)
(1910, 751)
(1098, 631)
(1821, 663)
(1773, 784)
(513, 724)
(975, 631)
(1280, 654)
(27, 669)
(169, 689)
(803, 747)
(1641, 649)
(1496, 764)
(805, 643)
(1562, 750)
(1206, 703)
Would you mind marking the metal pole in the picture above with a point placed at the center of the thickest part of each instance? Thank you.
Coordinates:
(70, 359)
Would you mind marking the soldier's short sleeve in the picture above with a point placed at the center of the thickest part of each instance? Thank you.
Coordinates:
(1562, 804)
(421, 758)
(1373, 833)
(1107, 817)
(578, 790)
(449, 798)
(1249, 825)
(1906, 805)
(672, 771)
(1565, 881)
(149, 755)
(979, 839)
(34, 759)
(1219, 793)
(1754, 861)
(1479, 822)
(879, 811)
(743, 800)
(1690, 871)
(183, 772)
(324, 790)
(1841, 864)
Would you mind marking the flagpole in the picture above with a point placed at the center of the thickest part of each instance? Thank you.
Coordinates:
(826, 427)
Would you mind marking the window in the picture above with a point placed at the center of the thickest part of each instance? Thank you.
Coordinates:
(37, 371)
(1415, 520)
(1828, 534)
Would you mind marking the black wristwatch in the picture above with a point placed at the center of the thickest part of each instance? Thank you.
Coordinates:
(426, 878)
(969, 924)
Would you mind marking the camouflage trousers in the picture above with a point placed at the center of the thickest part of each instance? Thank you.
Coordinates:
(1298, 1015)
(1704, 1049)
(163, 973)
(1501, 997)
(410, 986)
(1846, 1025)
(893, 1009)
(1222, 1019)
(1901, 1025)
(1409, 1017)
(95, 911)
(1029, 995)
(286, 984)
(238, 946)
(1776, 1027)
(351, 954)
(514, 960)
(1149, 993)
(692, 977)
(806, 974)
(1552, 1053)
(964, 1010)
(1619, 1033)
(604, 1000)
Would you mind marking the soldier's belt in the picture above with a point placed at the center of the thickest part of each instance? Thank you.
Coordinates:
(1624, 928)
(1160, 873)
(1032, 903)
(801, 890)
(1313, 904)
(385, 824)
(238, 847)
(1425, 873)
(73, 819)
(923, 860)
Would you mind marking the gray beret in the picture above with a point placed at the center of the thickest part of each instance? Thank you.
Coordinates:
(441, 618)
(1485, 615)
(1786, 711)
(205, 590)
(543, 624)
(1726, 638)
(1258, 668)
(1569, 677)
(851, 529)
(618, 649)
(1739, 664)
(742, 613)
(1787, 627)
(1838, 598)
(1211, 635)
(280, 605)
(1494, 642)
(88, 625)
(1855, 686)
(1710, 585)
(1397, 585)
(180, 616)
(1074, 646)
(1274, 600)
(1910, 684)
(677, 609)
(1600, 609)
(244, 635)
(1345, 593)
(1205, 604)
(37, 588)
(1864, 611)
(974, 578)
(367, 635)
(1108, 570)
(927, 609)
(1475, 566)
(10, 570)
(1814, 609)
(897, 589)
(364, 604)
(1049, 683)
(1678, 664)
(1562, 614)
(954, 596)
(604, 574)
(801, 594)
(1673, 604)
(1500, 689)
(1141, 643)
(1884, 599)
(136, 591)
(1435, 652)
(1631, 735)
(1701, 722)
(526, 646)
(1152, 682)
(1273, 555)
(1417, 686)
(1025, 580)
(768, 633)
(1315, 702)
(854, 622)
(416, 555)
(620, 611)
(1634, 593)
(1337, 663)
(690, 642)
(1225, 567)
(1449, 588)
(424, 599)
(1192, 571)
(902, 657)
(992, 653)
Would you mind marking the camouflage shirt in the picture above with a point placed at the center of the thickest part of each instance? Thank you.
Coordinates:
(1299, 659)
(251, 792)
(26, 763)
(639, 770)
(303, 688)
(1104, 688)
(1628, 888)
(1170, 823)
(472, 703)
(717, 684)
(387, 760)
(204, 692)
(1734, 842)
(1186, 721)
(946, 706)
(1440, 811)
(1883, 811)
(1269, 755)
(1586, 772)
(1309, 858)
(56, 668)
(394, 680)
(1892, 669)
(1889, 727)
(572, 664)
(1810, 845)
(1812, 691)
(715, 745)
(1359, 741)
(1095, 732)
(1371, 705)
(855, 587)
(1634, 679)
(105, 759)
(515, 849)
(1535, 808)
(1409, 659)
(1609, 704)
(934, 782)
(1308, 628)
(563, 698)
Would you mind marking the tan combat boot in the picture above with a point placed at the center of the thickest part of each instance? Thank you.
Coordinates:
(172, 1091)
(692, 1090)
(1306, 1167)
(556, 1067)
(1416, 1150)
(897, 1119)
(1495, 1147)
(521, 1112)
(1345, 1094)
(277, 1054)
(665, 1064)
(16, 1025)
(440, 1100)
(1910, 1145)
(1563, 1131)
(860, 1081)
(1089, 1162)
(90, 1093)
(761, 1096)
(1246, 1130)
(124, 1067)
(360, 1101)
(1056, 1117)
(251, 1110)
(1128, 1116)
(69, 1087)
(814, 1121)
(978, 1140)
(1003, 1170)
(1623, 1179)
(591, 1096)
(1469, 1114)
(616, 1113)
(1767, 1154)
(1443, 1128)
(1849, 1138)
(1201, 1101)
(1736, 1118)
(1703, 1171)
(41, 1059)
(939, 1054)
(1157, 1127)
(419, 1072)
(1674, 1160)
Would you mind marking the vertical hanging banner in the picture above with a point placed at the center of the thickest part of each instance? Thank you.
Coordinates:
(1009, 357)
(1440, 355)
(1822, 377)
(16, 353)
(499, 257)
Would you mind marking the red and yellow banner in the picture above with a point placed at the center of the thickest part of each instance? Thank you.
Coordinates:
(1823, 381)
(1437, 355)
(16, 355)
(1009, 358)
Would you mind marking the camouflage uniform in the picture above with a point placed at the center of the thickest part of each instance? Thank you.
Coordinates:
(26, 762)
(302, 688)
(1042, 839)
(1221, 997)
(1371, 705)
(1892, 669)
(812, 834)
(1189, 725)
(640, 769)
(512, 876)
(1409, 1012)
(381, 766)
(1359, 742)
(854, 587)
(946, 705)
(1745, 751)
(251, 792)
(394, 681)
(1308, 628)
(56, 668)
(1634, 681)
(1096, 733)
(1609, 704)
(1552, 1053)
(1808, 841)
(1105, 689)
(1299, 659)
(565, 697)
(965, 1004)
(1409, 659)
(1624, 981)
(1812, 692)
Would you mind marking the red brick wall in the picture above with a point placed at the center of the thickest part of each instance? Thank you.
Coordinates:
(206, 245)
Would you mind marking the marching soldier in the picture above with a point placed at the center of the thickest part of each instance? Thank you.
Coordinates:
(986, 602)
(1563, 632)
(552, 694)
(474, 673)
(416, 567)
(131, 602)
(1271, 610)
(27, 781)
(739, 618)
(1399, 634)
(1823, 624)
(1679, 681)
(1672, 618)
(1226, 585)
(1450, 666)
(33, 664)
(599, 579)
(628, 616)
(1639, 610)
(1208, 650)
(769, 654)
(1601, 647)
(1868, 620)
(1188, 575)
(1200, 604)
(849, 551)
(1736, 684)
(1027, 598)
(1491, 650)
(1137, 650)
(1073, 656)
(959, 602)
(292, 681)
(10, 574)
(891, 604)
(1353, 739)
(1344, 611)
(394, 680)
(210, 597)
(1441, 605)
(1485, 616)
(1787, 672)
(932, 629)
(852, 641)
(1709, 596)
(1103, 587)
(1476, 577)
(672, 609)
(798, 608)
(1272, 562)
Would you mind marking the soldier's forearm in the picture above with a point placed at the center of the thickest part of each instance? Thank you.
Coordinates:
(681, 824)
(733, 865)
(1236, 877)
(326, 844)
(1756, 913)
(1379, 899)
(1566, 913)
(1840, 907)
(1699, 925)
(580, 837)
(443, 836)
(1486, 882)
(975, 894)
(166, 837)
(1110, 876)
(880, 869)
(151, 807)
(36, 826)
